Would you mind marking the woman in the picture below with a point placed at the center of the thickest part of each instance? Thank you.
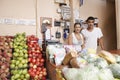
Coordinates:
(76, 38)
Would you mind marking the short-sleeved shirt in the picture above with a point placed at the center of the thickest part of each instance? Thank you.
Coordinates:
(92, 37)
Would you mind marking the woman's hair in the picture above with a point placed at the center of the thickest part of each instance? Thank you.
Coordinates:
(76, 24)
(90, 18)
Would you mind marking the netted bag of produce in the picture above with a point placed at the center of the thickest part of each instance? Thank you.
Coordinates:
(105, 74)
(88, 73)
(71, 73)
(78, 62)
(117, 57)
(101, 63)
(115, 68)
(90, 58)
(108, 56)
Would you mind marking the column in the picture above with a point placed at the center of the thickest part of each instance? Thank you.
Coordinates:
(117, 4)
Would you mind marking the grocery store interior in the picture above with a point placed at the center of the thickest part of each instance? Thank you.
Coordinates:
(34, 36)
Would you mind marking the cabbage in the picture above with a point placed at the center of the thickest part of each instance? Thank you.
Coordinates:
(105, 74)
(117, 57)
(115, 68)
(101, 63)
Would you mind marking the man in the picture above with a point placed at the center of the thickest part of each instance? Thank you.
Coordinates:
(92, 35)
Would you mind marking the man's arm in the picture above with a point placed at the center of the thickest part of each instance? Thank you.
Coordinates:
(101, 43)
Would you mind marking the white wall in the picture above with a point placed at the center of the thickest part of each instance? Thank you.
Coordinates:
(17, 9)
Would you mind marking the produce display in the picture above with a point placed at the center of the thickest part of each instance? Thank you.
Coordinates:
(20, 56)
(19, 62)
(20, 74)
(36, 61)
(5, 56)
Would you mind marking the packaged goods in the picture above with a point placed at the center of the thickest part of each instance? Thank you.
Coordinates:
(78, 62)
(68, 57)
(108, 56)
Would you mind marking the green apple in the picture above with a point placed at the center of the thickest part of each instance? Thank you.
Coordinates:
(25, 65)
(22, 76)
(16, 49)
(17, 62)
(13, 61)
(24, 71)
(27, 76)
(20, 58)
(26, 55)
(20, 47)
(23, 61)
(12, 66)
(25, 51)
(13, 78)
(20, 65)
(26, 46)
(17, 76)
(21, 54)
(15, 54)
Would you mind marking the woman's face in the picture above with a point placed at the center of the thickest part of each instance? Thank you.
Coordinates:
(77, 28)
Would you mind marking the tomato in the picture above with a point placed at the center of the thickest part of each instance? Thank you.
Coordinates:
(33, 60)
(42, 60)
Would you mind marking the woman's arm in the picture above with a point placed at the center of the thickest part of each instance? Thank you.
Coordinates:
(70, 39)
(83, 39)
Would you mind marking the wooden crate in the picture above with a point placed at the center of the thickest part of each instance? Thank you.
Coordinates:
(51, 70)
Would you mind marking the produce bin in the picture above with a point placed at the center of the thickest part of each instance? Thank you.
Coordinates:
(51, 71)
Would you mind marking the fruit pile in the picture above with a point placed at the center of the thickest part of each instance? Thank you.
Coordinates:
(20, 74)
(5, 56)
(36, 61)
(19, 61)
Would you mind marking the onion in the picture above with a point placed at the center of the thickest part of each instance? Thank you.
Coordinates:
(9, 54)
(3, 75)
(3, 66)
(7, 70)
(3, 59)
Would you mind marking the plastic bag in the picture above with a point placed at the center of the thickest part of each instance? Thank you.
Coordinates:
(115, 68)
(87, 73)
(105, 74)
(101, 63)
(117, 57)
(57, 51)
(71, 73)
(91, 58)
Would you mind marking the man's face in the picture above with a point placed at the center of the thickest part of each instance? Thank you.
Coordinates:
(90, 23)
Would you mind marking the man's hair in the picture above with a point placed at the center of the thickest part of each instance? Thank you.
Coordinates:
(90, 18)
